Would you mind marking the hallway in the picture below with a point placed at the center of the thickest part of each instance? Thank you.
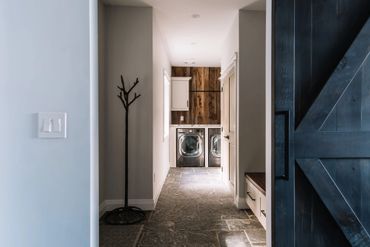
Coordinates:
(195, 208)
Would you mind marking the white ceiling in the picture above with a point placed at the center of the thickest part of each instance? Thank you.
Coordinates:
(197, 41)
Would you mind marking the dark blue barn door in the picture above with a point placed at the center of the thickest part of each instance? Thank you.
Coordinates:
(321, 74)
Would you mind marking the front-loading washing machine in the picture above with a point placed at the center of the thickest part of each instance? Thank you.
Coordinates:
(190, 147)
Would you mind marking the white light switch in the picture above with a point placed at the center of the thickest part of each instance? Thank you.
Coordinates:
(52, 125)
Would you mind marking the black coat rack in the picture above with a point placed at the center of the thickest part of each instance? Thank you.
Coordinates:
(126, 215)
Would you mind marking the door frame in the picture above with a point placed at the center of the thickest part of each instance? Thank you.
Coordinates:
(233, 68)
(269, 152)
(94, 162)
(94, 122)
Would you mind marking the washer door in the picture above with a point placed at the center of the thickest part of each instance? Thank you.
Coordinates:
(216, 145)
(190, 145)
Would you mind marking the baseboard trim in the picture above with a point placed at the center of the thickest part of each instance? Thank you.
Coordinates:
(144, 204)
(108, 205)
(156, 195)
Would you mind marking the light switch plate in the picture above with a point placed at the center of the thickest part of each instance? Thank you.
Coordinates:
(52, 125)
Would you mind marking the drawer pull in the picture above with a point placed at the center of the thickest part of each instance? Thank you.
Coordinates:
(249, 195)
(263, 212)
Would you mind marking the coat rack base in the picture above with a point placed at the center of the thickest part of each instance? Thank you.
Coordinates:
(124, 216)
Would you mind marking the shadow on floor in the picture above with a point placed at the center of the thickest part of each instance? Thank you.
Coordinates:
(195, 208)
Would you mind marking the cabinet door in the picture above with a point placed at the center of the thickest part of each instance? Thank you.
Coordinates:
(180, 95)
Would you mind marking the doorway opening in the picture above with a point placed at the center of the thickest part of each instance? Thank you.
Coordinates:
(196, 133)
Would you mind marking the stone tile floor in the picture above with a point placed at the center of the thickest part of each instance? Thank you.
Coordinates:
(195, 208)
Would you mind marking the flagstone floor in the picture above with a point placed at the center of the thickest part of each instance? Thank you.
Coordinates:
(195, 208)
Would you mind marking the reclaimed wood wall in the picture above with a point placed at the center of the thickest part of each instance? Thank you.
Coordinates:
(204, 96)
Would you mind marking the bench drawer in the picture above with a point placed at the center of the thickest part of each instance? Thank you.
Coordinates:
(252, 198)
(262, 212)
(256, 201)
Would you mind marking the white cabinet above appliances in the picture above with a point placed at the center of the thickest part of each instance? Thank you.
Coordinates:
(180, 93)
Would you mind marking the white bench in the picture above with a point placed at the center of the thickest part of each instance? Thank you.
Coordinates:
(256, 195)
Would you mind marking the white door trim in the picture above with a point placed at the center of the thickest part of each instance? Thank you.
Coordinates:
(269, 122)
(94, 124)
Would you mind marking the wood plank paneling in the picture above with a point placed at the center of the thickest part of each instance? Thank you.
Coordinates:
(311, 38)
(204, 96)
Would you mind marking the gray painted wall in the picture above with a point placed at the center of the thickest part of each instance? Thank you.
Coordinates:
(128, 51)
(44, 66)
(251, 93)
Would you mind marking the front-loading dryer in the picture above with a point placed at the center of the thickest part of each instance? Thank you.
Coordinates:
(214, 147)
(190, 147)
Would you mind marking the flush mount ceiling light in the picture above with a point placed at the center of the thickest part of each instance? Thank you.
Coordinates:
(195, 16)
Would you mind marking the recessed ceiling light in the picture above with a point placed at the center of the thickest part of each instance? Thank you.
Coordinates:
(189, 61)
(195, 16)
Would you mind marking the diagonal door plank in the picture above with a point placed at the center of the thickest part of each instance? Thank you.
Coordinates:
(338, 81)
(335, 202)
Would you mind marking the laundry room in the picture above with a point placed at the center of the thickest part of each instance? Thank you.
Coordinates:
(195, 131)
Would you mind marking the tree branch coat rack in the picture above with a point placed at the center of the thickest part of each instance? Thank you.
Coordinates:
(126, 215)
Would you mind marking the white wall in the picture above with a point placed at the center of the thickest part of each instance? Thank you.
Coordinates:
(230, 48)
(161, 154)
(247, 37)
(231, 43)
(128, 51)
(45, 66)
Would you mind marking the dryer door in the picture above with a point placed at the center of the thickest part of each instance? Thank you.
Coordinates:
(216, 145)
(190, 145)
